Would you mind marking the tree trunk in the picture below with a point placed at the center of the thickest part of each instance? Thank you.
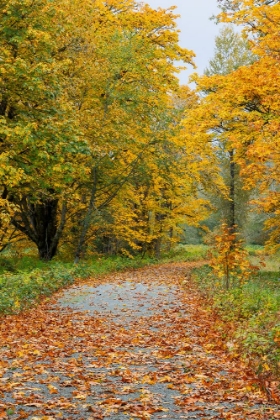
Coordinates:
(39, 222)
(47, 249)
(157, 248)
(46, 227)
(87, 220)
(232, 221)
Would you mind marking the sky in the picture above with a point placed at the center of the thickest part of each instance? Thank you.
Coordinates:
(198, 32)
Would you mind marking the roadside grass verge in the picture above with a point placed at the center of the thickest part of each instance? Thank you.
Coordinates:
(32, 280)
(25, 280)
(250, 314)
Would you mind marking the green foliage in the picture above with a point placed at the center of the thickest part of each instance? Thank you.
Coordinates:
(252, 308)
(253, 249)
(20, 291)
(231, 51)
(25, 263)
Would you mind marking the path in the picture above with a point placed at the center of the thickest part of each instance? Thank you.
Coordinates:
(134, 345)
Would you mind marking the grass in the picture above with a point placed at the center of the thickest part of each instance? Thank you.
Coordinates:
(186, 253)
(250, 313)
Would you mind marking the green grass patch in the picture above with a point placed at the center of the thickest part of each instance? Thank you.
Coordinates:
(252, 310)
(186, 253)
(254, 249)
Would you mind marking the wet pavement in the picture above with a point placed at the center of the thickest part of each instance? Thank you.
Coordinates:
(132, 345)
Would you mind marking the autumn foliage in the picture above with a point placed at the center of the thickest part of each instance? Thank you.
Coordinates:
(102, 150)
(229, 258)
(241, 108)
(90, 120)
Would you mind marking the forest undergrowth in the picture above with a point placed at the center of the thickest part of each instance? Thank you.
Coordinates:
(247, 314)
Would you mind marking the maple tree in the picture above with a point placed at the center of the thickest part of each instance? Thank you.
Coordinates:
(229, 259)
(93, 141)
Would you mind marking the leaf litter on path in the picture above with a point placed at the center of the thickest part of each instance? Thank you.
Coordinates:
(132, 345)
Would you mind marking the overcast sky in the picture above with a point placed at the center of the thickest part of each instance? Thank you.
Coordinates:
(197, 31)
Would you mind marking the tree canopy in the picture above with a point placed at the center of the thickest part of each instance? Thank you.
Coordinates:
(99, 144)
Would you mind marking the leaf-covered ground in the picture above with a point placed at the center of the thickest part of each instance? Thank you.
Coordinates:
(136, 345)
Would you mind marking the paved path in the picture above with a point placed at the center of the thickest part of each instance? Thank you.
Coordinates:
(133, 345)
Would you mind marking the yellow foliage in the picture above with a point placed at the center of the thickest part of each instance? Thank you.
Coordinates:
(229, 259)
(240, 110)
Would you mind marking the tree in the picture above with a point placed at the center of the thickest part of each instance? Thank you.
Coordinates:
(79, 85)
(242, 107)
(163, 194)
(231, 52)
(119, 106)
(255, 102)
